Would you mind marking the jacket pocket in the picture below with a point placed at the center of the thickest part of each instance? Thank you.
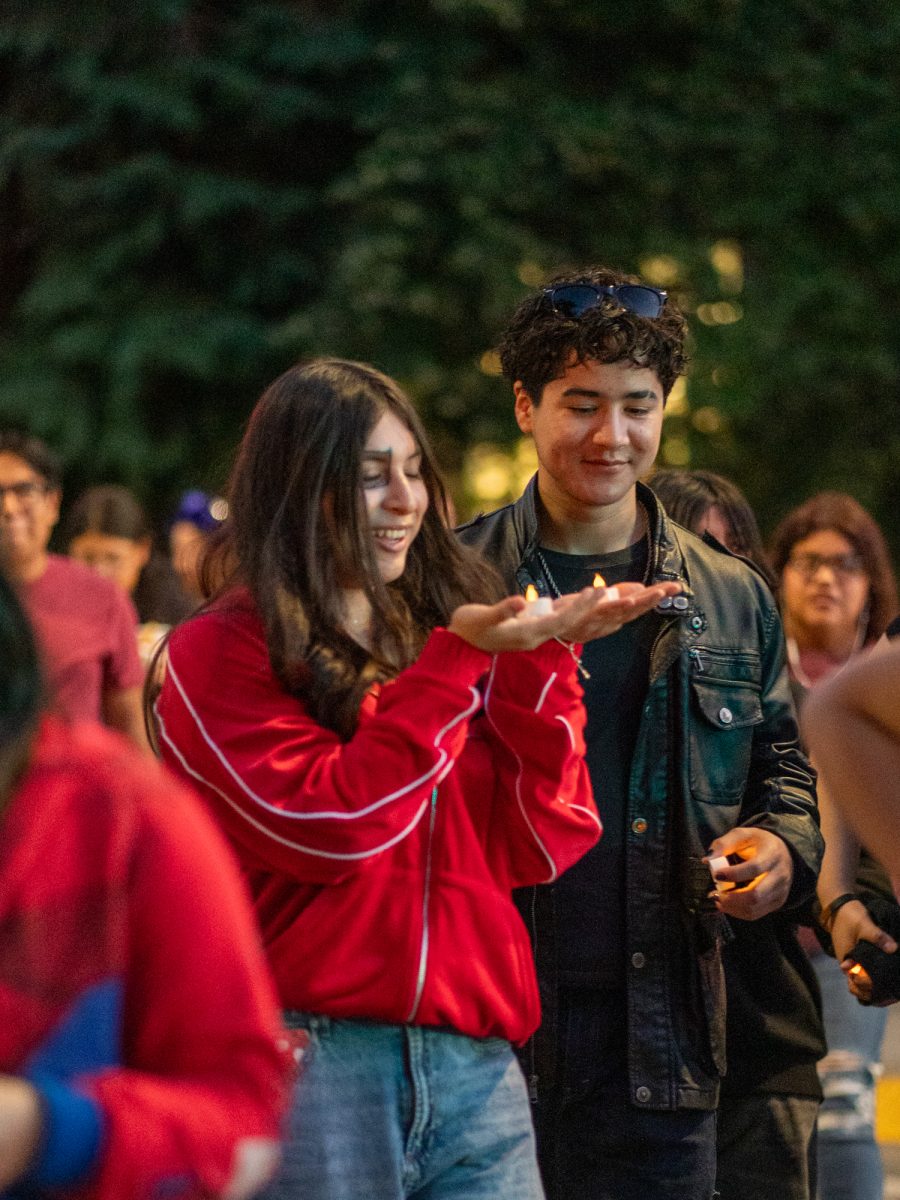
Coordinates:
(724, 715)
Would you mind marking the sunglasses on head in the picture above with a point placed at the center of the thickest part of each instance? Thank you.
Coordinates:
(575, 299)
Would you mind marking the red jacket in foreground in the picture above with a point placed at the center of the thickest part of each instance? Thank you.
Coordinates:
(133, 990)
(382, 867)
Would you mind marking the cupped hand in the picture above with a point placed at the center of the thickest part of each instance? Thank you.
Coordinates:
(761, 880)
(591, 613)
(578, 617)
(502, 626)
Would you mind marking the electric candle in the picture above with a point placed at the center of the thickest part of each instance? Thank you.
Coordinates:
(716, 864)
(610, 593)
(538, 606)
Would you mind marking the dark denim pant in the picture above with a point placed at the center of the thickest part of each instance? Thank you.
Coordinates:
(767, 1148)
(593, 1142)
(389, 1112)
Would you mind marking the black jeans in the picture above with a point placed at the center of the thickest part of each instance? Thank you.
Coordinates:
(766, 1147)
(593, 1142)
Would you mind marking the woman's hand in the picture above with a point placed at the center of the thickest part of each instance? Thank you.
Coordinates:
(579, 617)
(20, 1128)
(605, 616)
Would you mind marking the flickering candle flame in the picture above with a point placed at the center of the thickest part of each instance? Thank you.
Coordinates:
(538, 606)
(610, 593)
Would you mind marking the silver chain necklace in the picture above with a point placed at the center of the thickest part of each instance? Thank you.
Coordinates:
(645, 537)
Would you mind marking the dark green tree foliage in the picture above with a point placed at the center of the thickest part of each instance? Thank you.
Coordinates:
(193, 195)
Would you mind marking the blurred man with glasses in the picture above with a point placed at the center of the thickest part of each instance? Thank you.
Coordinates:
(86, 626)
(692, 749)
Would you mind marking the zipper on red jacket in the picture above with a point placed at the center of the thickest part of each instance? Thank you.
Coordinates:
(423, 949)
(532, 1054)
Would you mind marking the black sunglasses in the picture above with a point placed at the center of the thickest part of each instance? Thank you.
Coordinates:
(575, 299)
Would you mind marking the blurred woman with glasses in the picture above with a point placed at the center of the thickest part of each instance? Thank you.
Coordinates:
(838, 594)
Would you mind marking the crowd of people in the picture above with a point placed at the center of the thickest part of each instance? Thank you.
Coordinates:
(481, 863)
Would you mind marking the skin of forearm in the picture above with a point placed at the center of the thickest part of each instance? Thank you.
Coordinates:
(861, 763)
(841, 859)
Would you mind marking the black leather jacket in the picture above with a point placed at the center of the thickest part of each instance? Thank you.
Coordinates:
(717, 748)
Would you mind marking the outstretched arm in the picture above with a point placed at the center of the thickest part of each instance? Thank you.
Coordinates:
(853, 726)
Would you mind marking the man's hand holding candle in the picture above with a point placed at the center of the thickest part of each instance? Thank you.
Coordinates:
(761, 879)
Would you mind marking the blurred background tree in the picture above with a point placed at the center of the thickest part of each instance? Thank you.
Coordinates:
(196, 193)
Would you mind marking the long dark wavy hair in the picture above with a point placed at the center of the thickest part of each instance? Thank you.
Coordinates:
(839, 512)
(297, 530)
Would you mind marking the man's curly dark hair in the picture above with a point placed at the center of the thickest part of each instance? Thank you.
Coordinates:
(539, 343)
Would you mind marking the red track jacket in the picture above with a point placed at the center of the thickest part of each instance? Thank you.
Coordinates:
(381, 867)
(133, 990)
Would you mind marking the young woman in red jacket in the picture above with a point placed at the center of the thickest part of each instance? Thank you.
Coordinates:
(391, 748)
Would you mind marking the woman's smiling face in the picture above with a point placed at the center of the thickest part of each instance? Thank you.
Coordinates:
(396, 497)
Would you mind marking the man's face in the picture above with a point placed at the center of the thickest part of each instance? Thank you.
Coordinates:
(596, 432)
(26, 519)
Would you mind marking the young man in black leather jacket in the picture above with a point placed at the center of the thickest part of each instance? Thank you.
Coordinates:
(693, 753)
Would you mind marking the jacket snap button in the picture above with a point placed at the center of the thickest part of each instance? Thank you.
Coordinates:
(642, 1095)
(638, 825)
(638, 960)
(696, 623)
(726, 716)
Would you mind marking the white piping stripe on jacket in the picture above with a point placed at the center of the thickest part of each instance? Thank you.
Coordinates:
(487, 696)
(578, 807)
(543, 696)
(563, 721)
(270, 833)
(338, 815)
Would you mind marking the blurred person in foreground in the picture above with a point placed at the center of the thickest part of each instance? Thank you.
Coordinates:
(86, 626)
(774, 1031)
(837, 593)
(853, 726)
(108, 530)
(392, 747)
(138, 1033)
(691, 747)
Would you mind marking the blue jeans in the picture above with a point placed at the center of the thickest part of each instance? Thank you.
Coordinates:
(387, 1112)
(849, 1158)
(593, 1142)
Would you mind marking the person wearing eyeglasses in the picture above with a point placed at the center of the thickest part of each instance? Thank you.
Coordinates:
(693, 754)
(86, 626)
(838, 593)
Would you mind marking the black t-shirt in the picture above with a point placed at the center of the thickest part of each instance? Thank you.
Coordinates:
(590, 895)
